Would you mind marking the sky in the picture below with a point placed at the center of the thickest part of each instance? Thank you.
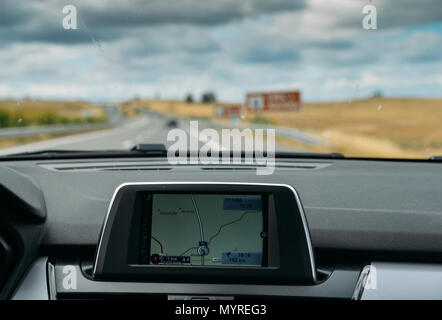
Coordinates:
(169, 48)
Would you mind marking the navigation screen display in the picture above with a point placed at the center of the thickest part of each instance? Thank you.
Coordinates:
(203, 230)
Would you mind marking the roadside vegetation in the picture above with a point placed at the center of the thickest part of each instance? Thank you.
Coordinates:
(23, 113)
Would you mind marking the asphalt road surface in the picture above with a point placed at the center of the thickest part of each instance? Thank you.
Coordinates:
(145, 129)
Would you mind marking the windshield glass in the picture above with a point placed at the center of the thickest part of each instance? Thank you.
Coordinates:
(362, 78)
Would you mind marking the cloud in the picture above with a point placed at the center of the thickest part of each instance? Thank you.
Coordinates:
(41, 21)
(394, 14)
(127, 48)
(390, 14)
(268, 52)
(421, 47)
(194, 12)
(13, 13)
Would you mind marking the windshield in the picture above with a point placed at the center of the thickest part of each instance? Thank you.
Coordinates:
(362, 78)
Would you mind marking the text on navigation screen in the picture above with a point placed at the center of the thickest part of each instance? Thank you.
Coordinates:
(203, 230)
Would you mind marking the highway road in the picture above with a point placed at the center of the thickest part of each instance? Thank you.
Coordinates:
(149, 128)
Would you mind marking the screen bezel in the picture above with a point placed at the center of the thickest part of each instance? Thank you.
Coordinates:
(137, 228)
(291, 260)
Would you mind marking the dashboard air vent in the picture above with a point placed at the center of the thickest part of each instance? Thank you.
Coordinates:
(163, 165)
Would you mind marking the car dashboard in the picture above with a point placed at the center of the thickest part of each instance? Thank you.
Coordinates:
(370, 224)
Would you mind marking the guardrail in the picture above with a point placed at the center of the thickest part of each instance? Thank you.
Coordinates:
(19, 132)
(283, 132)
(112, 111)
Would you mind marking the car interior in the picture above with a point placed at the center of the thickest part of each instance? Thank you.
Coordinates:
(316, 228)
(220, 157)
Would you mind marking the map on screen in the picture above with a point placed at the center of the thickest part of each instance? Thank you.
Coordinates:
(206, 229)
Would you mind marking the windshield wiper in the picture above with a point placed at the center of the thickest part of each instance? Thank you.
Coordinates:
(45, 152)
(140, 149)
(160, 150)
(333, 155)
(147, 150)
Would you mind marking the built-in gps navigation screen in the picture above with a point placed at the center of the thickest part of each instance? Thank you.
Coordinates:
(203, 230)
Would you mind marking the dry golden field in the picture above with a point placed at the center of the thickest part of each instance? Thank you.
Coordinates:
(41, 111)
(392, 128)
(410, 128)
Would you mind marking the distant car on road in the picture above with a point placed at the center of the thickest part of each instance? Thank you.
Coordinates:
(172, 123)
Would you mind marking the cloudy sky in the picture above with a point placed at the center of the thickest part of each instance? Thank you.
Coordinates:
(168, 48)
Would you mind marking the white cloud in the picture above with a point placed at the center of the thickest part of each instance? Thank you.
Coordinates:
(320, 48)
